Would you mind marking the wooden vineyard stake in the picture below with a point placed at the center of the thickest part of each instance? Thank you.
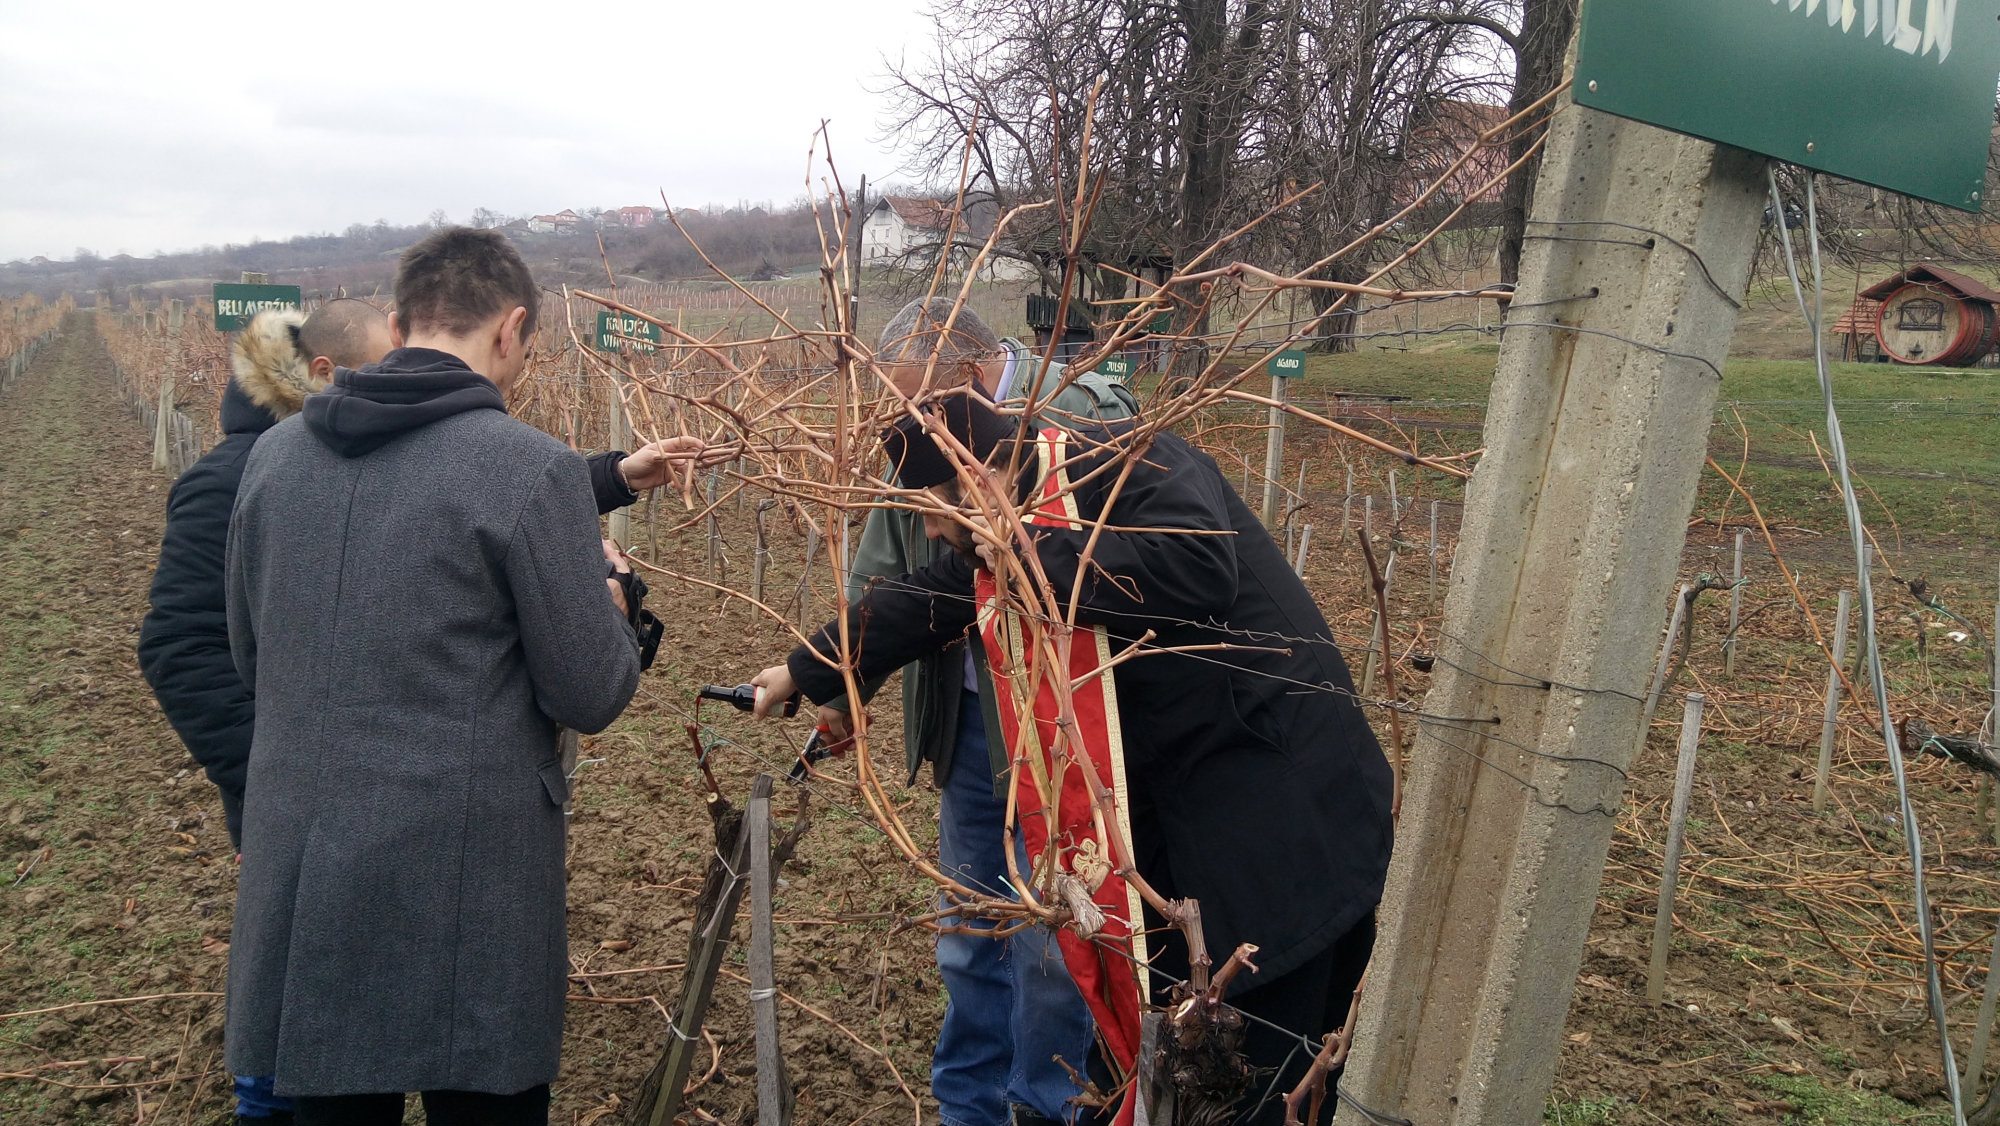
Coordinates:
(805, 572)
(762, 558)
(1346, 507)
(1663, 918)
(1378, 633)
(1681, 601)
(1434, 556)
(1735, 610)
(714, 526)
(753, 865)
(721, 892)
(774, 1091)
(1826, 729)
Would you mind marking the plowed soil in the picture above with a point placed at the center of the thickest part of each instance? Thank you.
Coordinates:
(116, 889)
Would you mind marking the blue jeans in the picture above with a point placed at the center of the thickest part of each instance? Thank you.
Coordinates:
(255, 1098)
(1012, 1006)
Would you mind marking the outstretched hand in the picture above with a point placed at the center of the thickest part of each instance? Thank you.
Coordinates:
(653, 464)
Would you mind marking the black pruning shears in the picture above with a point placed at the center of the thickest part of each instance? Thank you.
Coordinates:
(819, 748)
(743, 697)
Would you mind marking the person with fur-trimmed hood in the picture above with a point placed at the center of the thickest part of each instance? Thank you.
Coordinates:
(279, 359)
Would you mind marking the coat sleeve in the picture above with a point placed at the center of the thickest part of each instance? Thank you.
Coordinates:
(607, 484)
(1150, 573)
(878, 556)
(583, 657)
(184, 648)
(898, 620)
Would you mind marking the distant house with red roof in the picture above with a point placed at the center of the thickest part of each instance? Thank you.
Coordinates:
(908, 232)
(562, 222)
(1450, 130)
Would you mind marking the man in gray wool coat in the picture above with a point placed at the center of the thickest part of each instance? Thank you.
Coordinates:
(417, 595)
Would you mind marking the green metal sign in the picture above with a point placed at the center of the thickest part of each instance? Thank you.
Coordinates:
(1288, 364)
(1117, 367)
(619, 331)
(1894, 93)
(235, 304)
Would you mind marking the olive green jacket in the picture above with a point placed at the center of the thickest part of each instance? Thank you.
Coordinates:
(893, 543)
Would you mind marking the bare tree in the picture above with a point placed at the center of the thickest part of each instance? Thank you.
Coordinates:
(1208, 113)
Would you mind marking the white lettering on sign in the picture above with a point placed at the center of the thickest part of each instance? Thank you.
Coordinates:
(237, 307)
(1891, 18)
(619, 329)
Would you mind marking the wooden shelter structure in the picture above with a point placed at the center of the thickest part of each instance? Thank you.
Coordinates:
(1930, 315)
(1856, 332)
(1104, 289)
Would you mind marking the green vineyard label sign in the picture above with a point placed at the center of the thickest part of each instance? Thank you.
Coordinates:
(1117, 367)
(235, 304)
(1288, 364)
(617, 332)
(1894, 93)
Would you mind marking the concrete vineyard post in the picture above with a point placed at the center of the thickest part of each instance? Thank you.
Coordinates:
(1574, 522)
(162, 428)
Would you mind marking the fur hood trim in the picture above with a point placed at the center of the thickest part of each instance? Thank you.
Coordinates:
(270, 367)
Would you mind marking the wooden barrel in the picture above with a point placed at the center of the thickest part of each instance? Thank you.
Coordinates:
(1923, 324)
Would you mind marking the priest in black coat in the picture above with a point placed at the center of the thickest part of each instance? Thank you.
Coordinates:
(1255, 784)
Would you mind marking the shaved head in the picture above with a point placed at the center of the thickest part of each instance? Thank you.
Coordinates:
(348, 331)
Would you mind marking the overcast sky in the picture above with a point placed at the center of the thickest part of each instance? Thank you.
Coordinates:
(145, 126)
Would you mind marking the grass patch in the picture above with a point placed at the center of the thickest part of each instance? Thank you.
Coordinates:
(1816, 1104)
(1924, 443)
(1583, 1112)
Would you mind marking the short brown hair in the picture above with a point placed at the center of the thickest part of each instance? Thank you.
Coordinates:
(458, 278)
(343, 330)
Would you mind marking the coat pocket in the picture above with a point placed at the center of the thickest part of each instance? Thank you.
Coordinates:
(554, 782)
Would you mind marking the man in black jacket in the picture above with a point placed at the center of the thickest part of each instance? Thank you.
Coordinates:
(1254, 784)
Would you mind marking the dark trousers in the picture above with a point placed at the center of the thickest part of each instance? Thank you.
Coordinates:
(1312, 1000)
(441, 1108)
